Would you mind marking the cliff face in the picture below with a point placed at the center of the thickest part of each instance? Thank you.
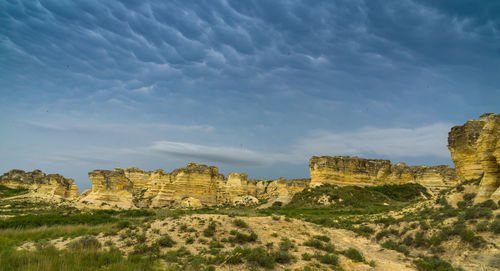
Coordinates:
(42, 184)
(192, 186)
(475, 150)
(345, 170)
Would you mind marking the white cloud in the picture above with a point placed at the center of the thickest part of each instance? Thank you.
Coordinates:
(389, 142)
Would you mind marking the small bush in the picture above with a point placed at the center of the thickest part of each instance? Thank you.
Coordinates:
(495, 226)
(482, 226)
(123, 224)
(190, 240)
(242, 238)
(354, 255)
(306, 257)
(165, 241)
(468, 198)
(323, 238)
(432, 264)
(285, 244)
(389, 244)
(314, 243)
(282, 256)
(331, 259)
(240, 223)
(85, 242)
(381, 234)
(210, 230)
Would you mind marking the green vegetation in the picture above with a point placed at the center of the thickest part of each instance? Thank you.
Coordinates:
(354, 255)
(32, 221)
(358, 197)
(165, 241)
(433, 264)
(240, 223)
(6, 192)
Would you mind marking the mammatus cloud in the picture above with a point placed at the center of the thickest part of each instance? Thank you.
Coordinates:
(382, 142)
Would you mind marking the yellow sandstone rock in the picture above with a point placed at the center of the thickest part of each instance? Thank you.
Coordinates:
(346, 170)
(41, 184)
(475, 150)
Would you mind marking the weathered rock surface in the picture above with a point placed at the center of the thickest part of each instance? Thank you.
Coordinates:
(346, 170)
(37, 182)
(475, 150)
(192, 186)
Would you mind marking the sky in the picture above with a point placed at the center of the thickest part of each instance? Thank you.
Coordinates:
(248, 86)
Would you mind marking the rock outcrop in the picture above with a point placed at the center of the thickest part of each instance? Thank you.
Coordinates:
(475, 150)
(192, 186)
(41, 184)
(346, 170)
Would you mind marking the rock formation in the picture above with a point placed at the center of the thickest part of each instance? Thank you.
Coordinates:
(475, 150)
(192, 186)
(345, 170)
(41, 184)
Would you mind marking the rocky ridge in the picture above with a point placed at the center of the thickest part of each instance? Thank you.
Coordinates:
(346, 170)
(192, 186)
(41, 184)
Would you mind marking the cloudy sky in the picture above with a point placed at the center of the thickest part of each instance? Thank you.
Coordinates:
(248, 86)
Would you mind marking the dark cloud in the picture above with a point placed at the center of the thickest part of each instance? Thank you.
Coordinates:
(258, 73)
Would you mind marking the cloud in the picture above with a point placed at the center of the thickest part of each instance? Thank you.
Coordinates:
(370, 142)
(226, 155)
(421, 141)
(115, 128)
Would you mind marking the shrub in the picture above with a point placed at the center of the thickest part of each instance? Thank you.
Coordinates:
(433, 263)
(478, 212)
(442, 201)
(323, 238)
(210, 230)
(165, 241)
(242, 238)
(306, 256)
(85, 242)
(495, 226)
(381, 234)
(389, 244)
(408, 240)
(240, 223)
(123, 224)
(314, 243)
(468, 198)
(285, 244)
(331, 259)
(282, 256)
(482, 226)
(190, 240)
(354, 255)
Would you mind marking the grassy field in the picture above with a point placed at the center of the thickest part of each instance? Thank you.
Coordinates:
(379, 213)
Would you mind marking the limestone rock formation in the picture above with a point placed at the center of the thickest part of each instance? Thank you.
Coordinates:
(37, 182)
(110, 188)
(475, 150)
(346, 170)
(192, 186)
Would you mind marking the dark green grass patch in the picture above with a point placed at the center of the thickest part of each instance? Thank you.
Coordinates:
(32, 221)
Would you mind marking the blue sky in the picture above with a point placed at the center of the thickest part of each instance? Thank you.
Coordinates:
(249, 86)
